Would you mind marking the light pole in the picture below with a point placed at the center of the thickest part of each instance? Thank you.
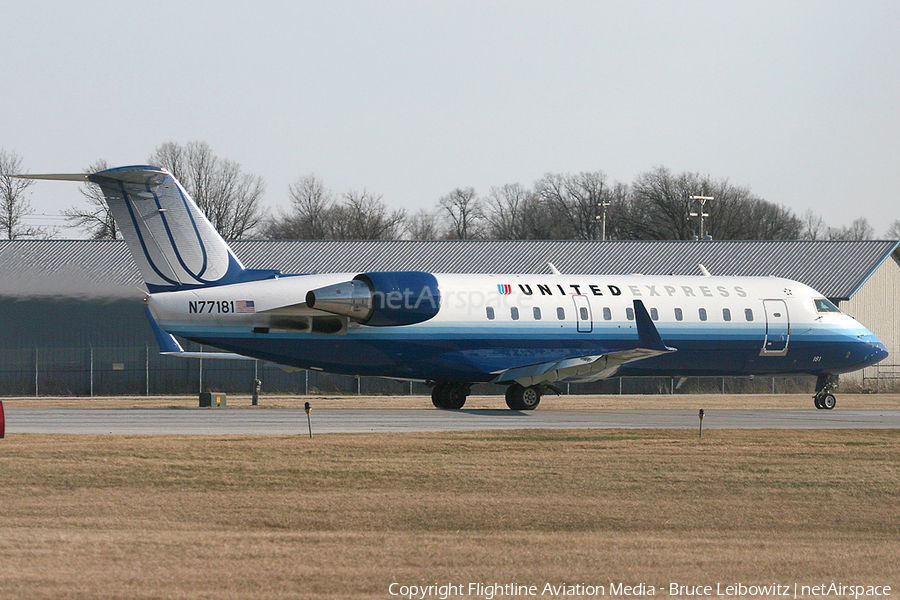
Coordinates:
(701, 214)
(602, 217)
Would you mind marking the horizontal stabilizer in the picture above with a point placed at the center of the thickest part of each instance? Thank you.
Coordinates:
(169, 346)
(56, 177)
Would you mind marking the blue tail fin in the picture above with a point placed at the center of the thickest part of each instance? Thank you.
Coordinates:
(172, 242)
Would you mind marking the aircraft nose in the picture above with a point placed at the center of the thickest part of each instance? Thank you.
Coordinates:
(874, 350)
(880, 352)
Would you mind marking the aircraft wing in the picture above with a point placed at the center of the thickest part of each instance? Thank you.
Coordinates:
(584, 368)
(596, 366)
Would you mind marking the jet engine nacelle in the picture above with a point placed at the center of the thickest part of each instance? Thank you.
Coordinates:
(381, 298)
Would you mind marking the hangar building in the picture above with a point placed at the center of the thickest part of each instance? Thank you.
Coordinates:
(73, 321)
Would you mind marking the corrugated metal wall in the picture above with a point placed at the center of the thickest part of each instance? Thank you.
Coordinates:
(877, 306)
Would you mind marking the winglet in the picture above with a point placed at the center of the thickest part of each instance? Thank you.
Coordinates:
(647, 332)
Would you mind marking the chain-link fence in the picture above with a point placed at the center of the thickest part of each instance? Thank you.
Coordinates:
(137, 371)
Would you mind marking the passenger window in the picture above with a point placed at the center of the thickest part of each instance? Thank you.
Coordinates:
(537, 313)
(748, 314)
(607, 314)
(490, 313)
(514, 313)
(702, 314)
(726, 314)
(584, 313)
(654, 314)
(629, 314)
(679, 316)
(560, 313)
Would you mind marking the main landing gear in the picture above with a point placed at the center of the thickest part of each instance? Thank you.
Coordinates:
(519, 397)
(452, 396)
(824, 399)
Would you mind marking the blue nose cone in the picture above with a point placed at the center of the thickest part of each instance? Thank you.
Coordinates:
(871, 351)
(879, 352)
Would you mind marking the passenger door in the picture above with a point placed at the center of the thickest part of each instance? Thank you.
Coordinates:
(778, 328)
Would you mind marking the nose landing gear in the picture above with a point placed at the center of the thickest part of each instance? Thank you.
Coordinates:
(824, 399)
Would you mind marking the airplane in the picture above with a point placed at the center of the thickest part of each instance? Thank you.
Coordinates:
(527, 332)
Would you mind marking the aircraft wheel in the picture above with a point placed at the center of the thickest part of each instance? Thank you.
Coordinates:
(510, 396)
(519, 397)
(449, 396)
(824, 386)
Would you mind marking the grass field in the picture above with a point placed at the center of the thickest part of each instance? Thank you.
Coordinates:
(344, 516)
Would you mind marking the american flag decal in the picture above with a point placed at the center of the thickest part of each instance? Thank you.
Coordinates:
(244, 306)
(504, 288)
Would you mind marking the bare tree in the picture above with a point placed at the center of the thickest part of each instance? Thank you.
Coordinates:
(737, 214)
(311, 212)
(893, 231)
(618, 196)
(424, 225)
(14, 206)
(316, 215)
(96, 219)
(576, 199)
(858, 230)
(364, 216)
(661, 205)
(767, 221)
(463, 208)
(506, 212)
(230, 199)
(814, 227)
(544, 221)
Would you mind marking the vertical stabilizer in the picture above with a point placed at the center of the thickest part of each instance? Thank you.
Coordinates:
(173, 244)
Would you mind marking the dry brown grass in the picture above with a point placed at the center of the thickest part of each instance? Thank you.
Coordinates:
(344, 516)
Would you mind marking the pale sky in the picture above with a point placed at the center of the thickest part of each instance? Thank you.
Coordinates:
(799, 101)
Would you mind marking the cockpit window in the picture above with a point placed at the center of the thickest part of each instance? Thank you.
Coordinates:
(824, 305)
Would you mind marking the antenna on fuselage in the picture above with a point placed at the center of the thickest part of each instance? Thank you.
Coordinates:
(553, 268)
(703, 270)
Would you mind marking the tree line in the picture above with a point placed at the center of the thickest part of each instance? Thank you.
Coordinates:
(657, 205)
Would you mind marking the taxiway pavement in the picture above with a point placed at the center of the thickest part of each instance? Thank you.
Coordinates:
(225, 421)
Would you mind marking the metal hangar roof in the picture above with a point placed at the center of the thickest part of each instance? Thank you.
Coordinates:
(104, 269)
